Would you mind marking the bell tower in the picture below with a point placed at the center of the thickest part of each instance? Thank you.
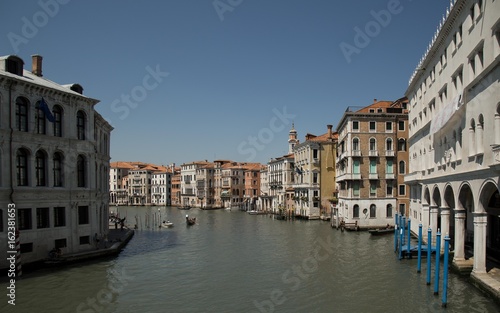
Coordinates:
(292, 139)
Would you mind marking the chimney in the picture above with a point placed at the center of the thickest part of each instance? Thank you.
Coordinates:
(36, 67)
(375, 100)
(329, 131)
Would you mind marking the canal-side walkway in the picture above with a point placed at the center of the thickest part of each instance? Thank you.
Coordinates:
(488, 282)
(117, 239)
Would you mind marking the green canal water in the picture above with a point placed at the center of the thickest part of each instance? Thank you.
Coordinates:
(235, 262)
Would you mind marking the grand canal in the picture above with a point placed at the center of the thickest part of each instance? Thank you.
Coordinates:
(235, 262)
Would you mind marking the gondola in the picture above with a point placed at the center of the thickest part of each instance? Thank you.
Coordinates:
(190, 220)
(186, 207)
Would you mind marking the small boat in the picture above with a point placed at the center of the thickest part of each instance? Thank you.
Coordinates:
(190, 220)
(379, 232)
(186, 207)
(166, 224)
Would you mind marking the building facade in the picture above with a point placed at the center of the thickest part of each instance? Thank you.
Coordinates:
(161, 187)
(314, 185)
(454, 133)
(372, 159)
(54, 163)
(189, 193)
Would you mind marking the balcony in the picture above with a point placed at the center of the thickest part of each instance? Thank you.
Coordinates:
(373, 176)
(315, 161)
(389, 153)
(356, 153)
(373, 153)
(389, 176)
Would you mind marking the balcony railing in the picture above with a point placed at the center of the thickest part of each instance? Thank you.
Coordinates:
(389, 153)
(373, 176)
(373, 153)
(389, 175)
(356, 153)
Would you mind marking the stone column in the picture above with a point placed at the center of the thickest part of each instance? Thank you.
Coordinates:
(480, 222)
(434, 222)
(445, 224)
(459, 235)
(425, 216)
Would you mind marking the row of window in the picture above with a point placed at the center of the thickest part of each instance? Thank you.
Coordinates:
(373, 211)
(42, 218)
(356, 187)
(356, 144)
(389, 169)
(41, 117)
(373, 126)
(41, 169)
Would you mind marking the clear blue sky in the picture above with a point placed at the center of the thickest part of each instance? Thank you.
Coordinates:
(190, 80)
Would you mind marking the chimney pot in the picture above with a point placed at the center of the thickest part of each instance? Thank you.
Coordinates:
(374, 100)
(36, 66)
(329, 130)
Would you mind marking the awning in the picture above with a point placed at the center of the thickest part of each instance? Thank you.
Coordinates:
(445, 114)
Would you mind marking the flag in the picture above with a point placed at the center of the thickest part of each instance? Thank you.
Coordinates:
(46, 110)
(298, 171)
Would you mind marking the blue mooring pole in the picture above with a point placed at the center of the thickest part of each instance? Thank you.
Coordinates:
(396, 233)
(408, 240)
(400, 243)
(445, 271)
(403, 225)
(438, 257)
(419, 263)
(429, 251)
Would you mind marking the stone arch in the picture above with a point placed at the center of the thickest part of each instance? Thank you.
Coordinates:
(449, 202)
(489, 201)
(426, 199)
(466, 203)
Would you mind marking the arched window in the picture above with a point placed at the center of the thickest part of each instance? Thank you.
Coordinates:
(40, 168)
(355, 211)
(40, 124)
(81, 121)
(480, 133)
(58, 120)
(22, 167)
(497, 120)
(388, 210)
(58, 169)
(21, 114)
(401, 144)
(355, 144)
(373, 144)
(472, 138)
(388, 144)
(402, 167)
(81, 169)
(373, 211)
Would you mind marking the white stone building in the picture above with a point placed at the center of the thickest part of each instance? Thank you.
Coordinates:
(189, 194)
(118, 183)
(161, 187)
(265, 200)
(454, 133)
(54, 163)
